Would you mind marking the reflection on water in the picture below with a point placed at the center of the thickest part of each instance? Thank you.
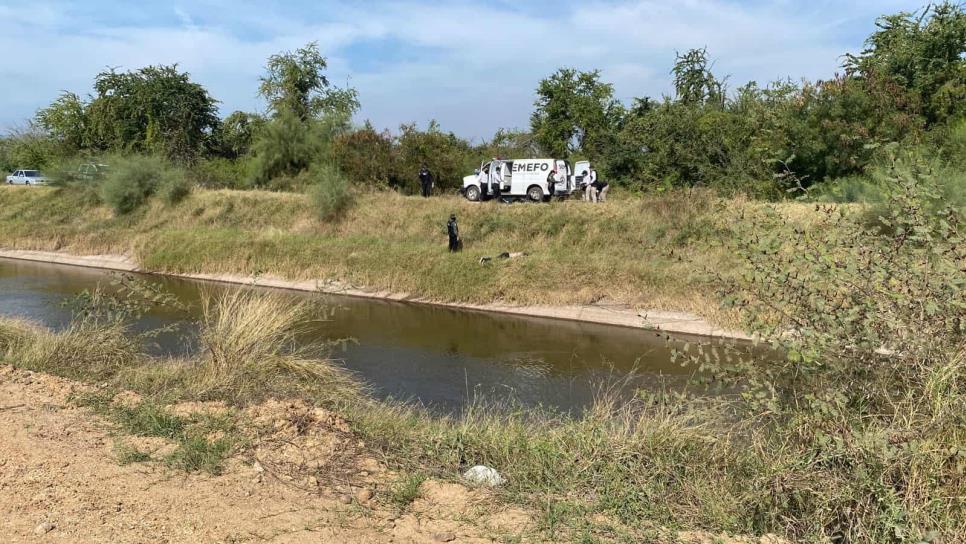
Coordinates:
(439, 356)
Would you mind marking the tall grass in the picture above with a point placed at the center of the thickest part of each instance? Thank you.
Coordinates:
(249, 348)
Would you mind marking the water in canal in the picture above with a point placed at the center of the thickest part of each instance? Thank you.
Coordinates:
(439, 356)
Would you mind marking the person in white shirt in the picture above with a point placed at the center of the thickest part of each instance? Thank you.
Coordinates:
(590, 192)
(496, 176)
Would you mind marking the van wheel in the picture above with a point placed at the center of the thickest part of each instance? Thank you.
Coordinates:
(535, 193)
(473, 193)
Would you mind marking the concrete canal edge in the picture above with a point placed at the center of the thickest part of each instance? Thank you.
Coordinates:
(622, 316)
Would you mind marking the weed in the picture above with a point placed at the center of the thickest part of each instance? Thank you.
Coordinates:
(407, 490)
(125, 454)
(196, 453)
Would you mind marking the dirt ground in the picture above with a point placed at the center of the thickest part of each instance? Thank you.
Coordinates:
(306, 481)
(303, 477)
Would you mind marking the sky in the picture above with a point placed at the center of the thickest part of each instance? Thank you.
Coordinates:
(471, 65)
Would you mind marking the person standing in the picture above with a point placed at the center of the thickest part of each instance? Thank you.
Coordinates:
(601, 187)
(426, 180)
(453, 230)
(496, 177)
(590, 192)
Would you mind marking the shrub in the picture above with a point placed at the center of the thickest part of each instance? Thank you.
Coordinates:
(365, 155)
(288, 145)
(131, 180)
(174, 188)
(330, 191)
(870, 389)
(221, 173)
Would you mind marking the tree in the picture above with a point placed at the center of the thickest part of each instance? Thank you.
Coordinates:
(295, 82)
(65, 120)
(923, 52)
(447, 156)
(235, 133)
(694, 83)
(575, 114)
(155, 109)
(365, 155)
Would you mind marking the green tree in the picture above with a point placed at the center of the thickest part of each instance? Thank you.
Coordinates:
(694, 83)
(924, 52)
(235, 133)
(365, 155)
(155, 109)
(447, 156)
(295, 82)
(65, 120)
(575, 114)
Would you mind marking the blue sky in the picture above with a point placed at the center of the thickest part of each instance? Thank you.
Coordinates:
(471, 65)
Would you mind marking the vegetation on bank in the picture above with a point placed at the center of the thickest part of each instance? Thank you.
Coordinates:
(855, 436)
(655, 252)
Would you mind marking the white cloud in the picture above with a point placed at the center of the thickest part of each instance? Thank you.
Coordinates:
(472, 66)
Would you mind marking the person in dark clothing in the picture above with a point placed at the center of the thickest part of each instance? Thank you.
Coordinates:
(426, 180)
(454, 234)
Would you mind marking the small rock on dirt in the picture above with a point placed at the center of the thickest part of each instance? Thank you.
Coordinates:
(483, 475)
(444, 536)
(363, 495)
(345, 499)
(44, 528)
(257, 467)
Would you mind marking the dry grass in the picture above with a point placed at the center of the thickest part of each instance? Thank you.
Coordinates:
(86, 350)
(249, 346)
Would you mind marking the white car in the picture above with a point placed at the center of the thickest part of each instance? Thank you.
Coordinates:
(26, 177)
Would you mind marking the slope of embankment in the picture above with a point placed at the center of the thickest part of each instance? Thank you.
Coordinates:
(655, 253)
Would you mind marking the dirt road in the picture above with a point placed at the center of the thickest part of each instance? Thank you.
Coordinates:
(60, 481)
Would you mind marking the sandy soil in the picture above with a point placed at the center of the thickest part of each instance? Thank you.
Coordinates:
(306, 480)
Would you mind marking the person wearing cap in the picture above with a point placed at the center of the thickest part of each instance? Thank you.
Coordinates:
(454, 234)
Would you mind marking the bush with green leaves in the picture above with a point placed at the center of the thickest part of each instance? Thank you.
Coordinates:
(330, 192)
(869, 396)
(131, 180)
(288, 145)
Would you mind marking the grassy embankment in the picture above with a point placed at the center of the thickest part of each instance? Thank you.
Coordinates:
(653, 252)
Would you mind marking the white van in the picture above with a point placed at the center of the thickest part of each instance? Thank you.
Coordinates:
(535, 180)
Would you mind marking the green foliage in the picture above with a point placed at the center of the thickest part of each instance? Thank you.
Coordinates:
(234, 135)
(295, 84)
(27, 148)
(132, 180)
(511, 144)
(922, 52)
(127, 454)
(65, 120)
(284, 147)
(365, 155)
(446, 155)
(694, 83)
(174, 188)
(407, 490)
(156, 109)
(870, 387)
(329, 191)
(575, 114)
(222, 173)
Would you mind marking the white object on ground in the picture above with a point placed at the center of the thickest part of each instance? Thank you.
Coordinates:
(483, 475)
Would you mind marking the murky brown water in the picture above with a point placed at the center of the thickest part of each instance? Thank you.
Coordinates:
(439, 356)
